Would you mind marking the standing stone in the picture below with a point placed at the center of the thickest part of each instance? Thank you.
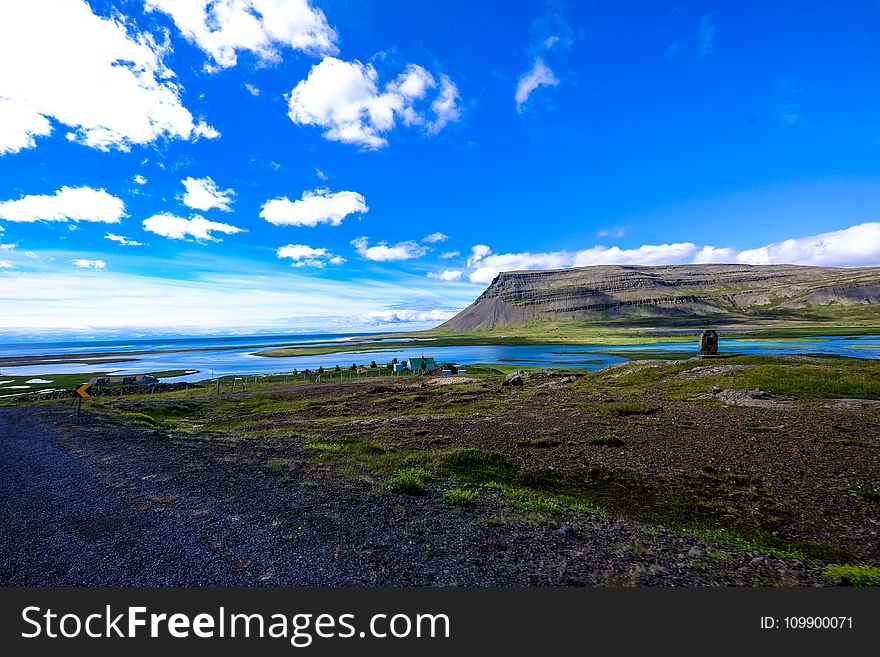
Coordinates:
(708, 343)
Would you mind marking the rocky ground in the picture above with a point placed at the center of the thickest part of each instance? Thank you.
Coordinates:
(101, 501)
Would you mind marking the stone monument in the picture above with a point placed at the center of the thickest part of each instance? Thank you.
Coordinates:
(709, 343)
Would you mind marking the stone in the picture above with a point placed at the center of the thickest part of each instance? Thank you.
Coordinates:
(760, 394)
(709, 343)
(567, 531)
(514, 379)
(696, 552)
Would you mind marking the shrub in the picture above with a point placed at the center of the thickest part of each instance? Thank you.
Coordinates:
(853, 575)
(459, 496)
(608, 440)
(410, 481)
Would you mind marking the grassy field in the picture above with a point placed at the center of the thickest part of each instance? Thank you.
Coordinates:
(36, 383)
(349, 426)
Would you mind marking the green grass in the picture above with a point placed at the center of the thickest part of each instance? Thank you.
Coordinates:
(459, 496)
(538, 442)
(410, 481)
(826, 378)
(867, 493)
(324, 447)
(608, 440)
(586, 507)
(853, 575)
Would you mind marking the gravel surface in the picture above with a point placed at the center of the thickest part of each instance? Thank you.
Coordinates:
(97, 503)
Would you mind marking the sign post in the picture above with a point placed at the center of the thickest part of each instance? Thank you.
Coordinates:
(83, 392)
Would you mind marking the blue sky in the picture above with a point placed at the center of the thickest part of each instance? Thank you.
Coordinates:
(263, 165)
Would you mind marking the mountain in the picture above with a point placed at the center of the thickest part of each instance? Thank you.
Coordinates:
(674, 292)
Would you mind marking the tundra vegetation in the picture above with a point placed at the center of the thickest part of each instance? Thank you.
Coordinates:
(792, 476)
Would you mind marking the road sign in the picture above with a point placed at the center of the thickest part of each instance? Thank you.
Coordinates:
(83, 390)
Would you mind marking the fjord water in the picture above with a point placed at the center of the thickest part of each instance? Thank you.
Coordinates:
(238, 358)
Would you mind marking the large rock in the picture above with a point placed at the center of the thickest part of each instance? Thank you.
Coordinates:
(708, 343)
(514, 379)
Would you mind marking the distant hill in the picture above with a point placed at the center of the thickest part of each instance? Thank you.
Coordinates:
(685, 293)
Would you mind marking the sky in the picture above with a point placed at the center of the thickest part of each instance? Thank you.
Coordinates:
(211, 166)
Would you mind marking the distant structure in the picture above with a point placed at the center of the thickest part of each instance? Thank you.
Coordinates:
(128, 379)
(421, 364)
(709, 343)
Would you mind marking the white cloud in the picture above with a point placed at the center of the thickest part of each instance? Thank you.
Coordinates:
(99, 76)
(433, 238)
(450, 254)
(306, 256)
(711, 254)
(318, 207)
(223, 27)
(5, 264)
(68, 203)
(82, 263)
(203, 194)
(647, 254)
(856, 246)
(616, 231)
(445, 106)
(344, 99)
(19, 124)
(178, 228)
(446, 275)
(252, 90)
(321, 175)
(122, 240)
(539, 76)
(706, 34)
(140, 180)
(406, 316)
(382, 252)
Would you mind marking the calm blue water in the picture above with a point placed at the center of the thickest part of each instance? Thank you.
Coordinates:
(241, 361)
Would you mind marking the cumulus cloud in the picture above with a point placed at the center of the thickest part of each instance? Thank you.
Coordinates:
(450, 254)
(856, 246)
(102, 78)
(252, 90)
(306, 256)
(122, 240)
(406, 316)
(179, 228)
(538, 76)
(5, 264)
(383, 252)
(343, 98)
(433, 238)
(221, 28)
(318, 207)
(203, 194)
(446, 275)
(140, 180)
(68, 203)
(711, 254)
(82, 263)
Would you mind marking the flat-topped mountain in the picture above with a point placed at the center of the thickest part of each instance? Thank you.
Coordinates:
(737, 292)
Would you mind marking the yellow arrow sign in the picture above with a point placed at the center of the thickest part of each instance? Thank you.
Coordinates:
(83, 390)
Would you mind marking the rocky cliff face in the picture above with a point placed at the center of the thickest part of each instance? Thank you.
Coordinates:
(603, 292)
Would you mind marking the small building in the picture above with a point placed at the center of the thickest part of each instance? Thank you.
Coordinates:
(124, 379)
(421, 364)
(398, 367)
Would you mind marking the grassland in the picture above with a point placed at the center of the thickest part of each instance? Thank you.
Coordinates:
(645, 441)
